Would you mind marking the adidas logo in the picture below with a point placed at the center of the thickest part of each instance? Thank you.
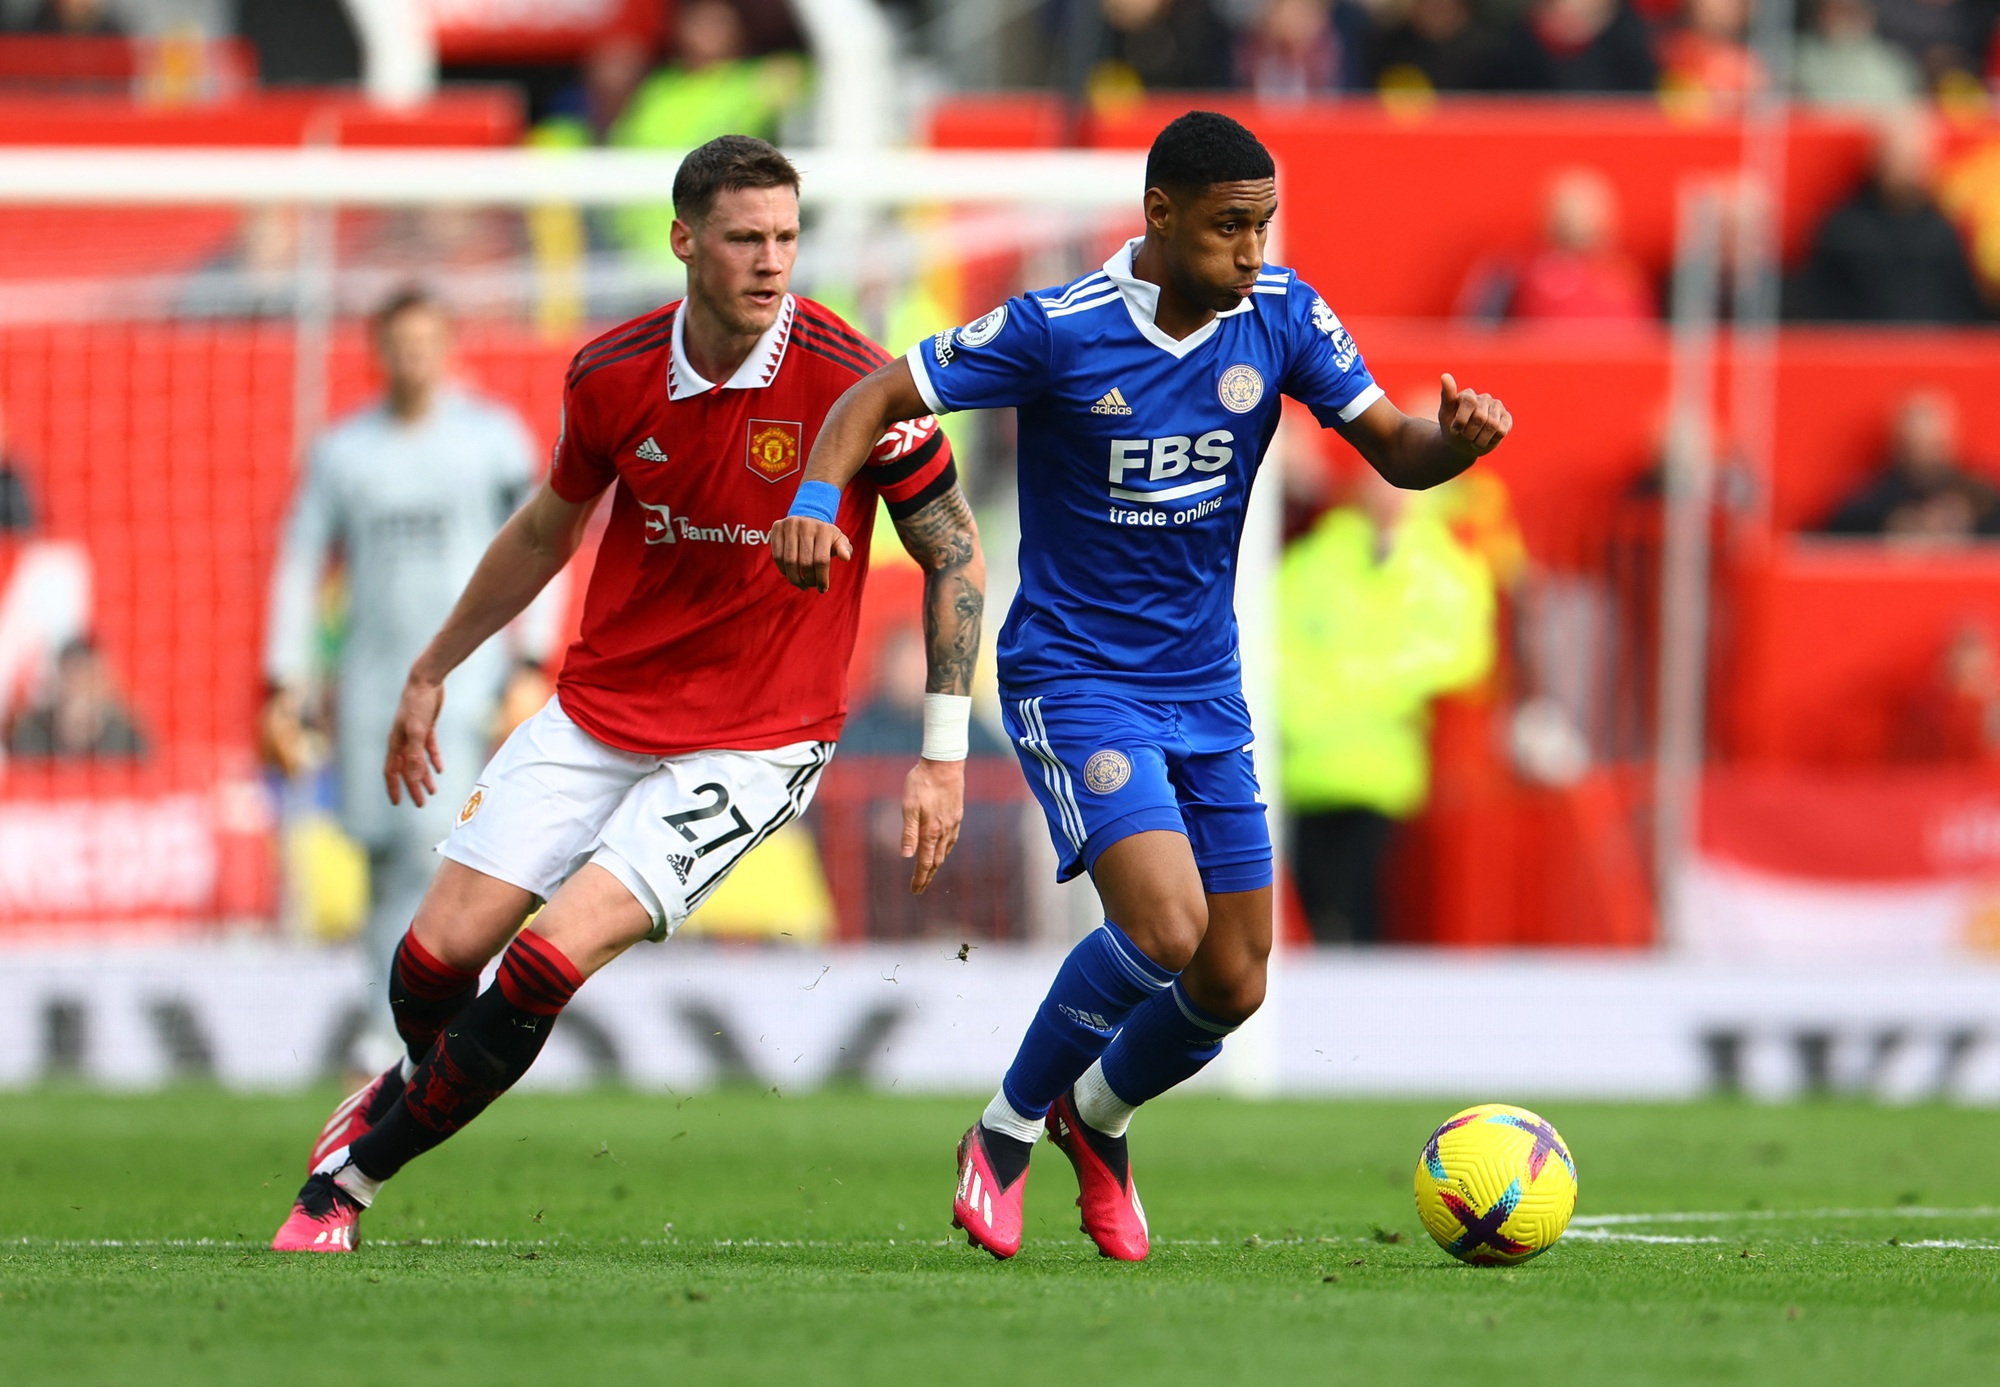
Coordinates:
(649, 451)
(681, 865)
(1112, 403)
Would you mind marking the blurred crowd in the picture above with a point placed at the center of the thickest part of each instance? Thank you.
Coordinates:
(1848, 51)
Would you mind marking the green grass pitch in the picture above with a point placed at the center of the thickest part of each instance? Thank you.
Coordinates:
(755, 1238)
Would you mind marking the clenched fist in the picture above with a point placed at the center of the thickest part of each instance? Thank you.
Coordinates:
(804, 550)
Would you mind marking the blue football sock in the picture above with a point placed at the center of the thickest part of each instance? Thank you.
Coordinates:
(1165, 1042)
(1097, 987)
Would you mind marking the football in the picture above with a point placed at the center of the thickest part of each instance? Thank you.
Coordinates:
(1495, 1185)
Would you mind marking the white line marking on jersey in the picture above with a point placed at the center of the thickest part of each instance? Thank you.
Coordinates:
(1090, 283)
(1172, 493)
(1086, 305)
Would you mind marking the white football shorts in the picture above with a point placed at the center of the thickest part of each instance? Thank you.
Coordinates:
(669, 827)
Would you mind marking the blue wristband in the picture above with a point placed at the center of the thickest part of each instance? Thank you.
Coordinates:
(820, 500)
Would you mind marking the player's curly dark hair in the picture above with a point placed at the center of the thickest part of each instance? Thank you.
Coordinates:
(1204, 147)
(725, 165)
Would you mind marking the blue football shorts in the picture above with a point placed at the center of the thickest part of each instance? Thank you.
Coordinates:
(1104, 767)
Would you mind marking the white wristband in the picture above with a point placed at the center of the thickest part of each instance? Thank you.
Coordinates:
(947, 718)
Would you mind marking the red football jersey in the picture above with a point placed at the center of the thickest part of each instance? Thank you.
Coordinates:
(691, 639)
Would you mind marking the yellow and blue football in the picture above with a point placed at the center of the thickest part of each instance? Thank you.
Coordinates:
(1495, 1185)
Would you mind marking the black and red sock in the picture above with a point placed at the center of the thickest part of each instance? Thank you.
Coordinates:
(425, 993)
(480, 1055)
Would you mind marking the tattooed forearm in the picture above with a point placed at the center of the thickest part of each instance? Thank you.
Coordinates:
(944, 540)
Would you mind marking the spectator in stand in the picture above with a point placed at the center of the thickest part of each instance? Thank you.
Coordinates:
(584, 113)
(1888, 254)
(78, 18)
(1580, 274)
(986, 866)
(1955, 716)
(712, 87)
(1844, 62)
(1159, 45)
(17, 512)
(1293, 51)
(255, 276)
(891, 723)
(1922, 491)
(1380, 610)
(1943, 36)
(82, 718)
(1707, 57)
(1435, 46)
(1577, 47)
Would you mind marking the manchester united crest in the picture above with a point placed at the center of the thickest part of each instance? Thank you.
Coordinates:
(472, 805)
(773, 448)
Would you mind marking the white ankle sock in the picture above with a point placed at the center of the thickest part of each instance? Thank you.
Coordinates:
(1000, 1117)
(348, 1176)
(1099, 1106)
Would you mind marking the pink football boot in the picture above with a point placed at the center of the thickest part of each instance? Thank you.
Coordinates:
(1112, 1214)
(989, 1213)
(325, 1218)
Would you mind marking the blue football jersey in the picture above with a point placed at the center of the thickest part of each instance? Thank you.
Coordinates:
(1137, 453)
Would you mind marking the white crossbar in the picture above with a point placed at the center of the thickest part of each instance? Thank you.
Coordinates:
(525, 177)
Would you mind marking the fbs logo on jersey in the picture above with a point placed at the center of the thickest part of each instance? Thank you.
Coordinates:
(1112, 403)
(772, 449)
(650, 451)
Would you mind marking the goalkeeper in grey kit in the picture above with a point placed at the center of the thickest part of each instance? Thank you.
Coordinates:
(405, 495)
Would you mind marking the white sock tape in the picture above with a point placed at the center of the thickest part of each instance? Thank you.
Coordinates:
(947, 720)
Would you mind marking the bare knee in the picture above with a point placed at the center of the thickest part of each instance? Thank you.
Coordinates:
(1168, 930)
(1152, 891)
(467, 917)
(1231, 987)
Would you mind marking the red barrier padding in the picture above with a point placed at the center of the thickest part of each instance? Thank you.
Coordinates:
(1876, 825)
(477, 116)
(1836, 641)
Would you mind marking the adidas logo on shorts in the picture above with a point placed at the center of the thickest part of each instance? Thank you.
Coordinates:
(1112, 403)
(681, 865)
(649, 451)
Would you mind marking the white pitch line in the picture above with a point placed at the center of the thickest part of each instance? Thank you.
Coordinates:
(1605, 1235)
(1767, 1215)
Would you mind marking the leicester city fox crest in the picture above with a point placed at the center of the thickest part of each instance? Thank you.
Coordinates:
(1106, 772)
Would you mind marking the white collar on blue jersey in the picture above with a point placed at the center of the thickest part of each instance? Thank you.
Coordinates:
(756, 372)
(1142, 301)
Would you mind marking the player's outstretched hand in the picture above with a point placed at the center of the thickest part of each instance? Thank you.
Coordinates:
(1473, 422)
(933, 809)
(413, 744)
(804, 550)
